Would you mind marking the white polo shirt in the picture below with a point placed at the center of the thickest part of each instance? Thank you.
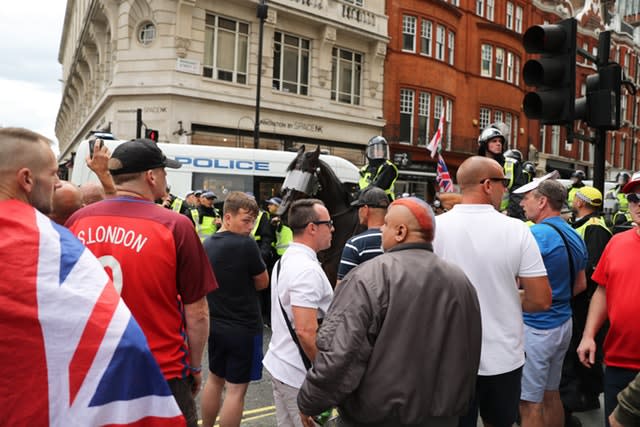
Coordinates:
(302, 283)
(492, 249)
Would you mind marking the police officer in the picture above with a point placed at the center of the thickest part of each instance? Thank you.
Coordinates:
(513, 169)
(379, 171)
(576, 183)
(283, 233)
(528, 171)
(208, 215)
(621, 215)
(491, 143)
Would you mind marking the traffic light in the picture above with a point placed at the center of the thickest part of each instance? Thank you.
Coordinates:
(600, 108)
(553, 74)
(151, 134)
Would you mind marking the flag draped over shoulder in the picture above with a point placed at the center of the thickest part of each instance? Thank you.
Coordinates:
(443, 178)
(71, 353)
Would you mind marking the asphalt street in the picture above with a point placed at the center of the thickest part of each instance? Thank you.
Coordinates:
(260, 412)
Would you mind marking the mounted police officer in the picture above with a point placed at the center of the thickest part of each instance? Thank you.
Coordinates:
(379, 171)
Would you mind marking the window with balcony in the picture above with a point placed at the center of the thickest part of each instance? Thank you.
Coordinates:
(499, 63)
(509, 17)
(451, 46)
(518, 21)
(440, 32)
(426, 37)
(291, 64)
(225, 49)
(490, 9)
(406, 116)
(485, 65)
(346, 76)
(423, 118)
(409, 33)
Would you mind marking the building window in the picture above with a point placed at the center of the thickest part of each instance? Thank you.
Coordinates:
(426, 36)
(438, 104)
(409, 33)
(423, 118)
(499, 63)
(623, 108)
(634, 156)
(480, 7)
(485, 116)
(490, 9)
(518, 19)
(612, 149)
(346, 71)
(440, 31)
(449, 115)
(497, 117)
(147, 33)
(508, 121)
(510, 67)
(406, 115)
(225, 49)
(291, 64)
(555, 139)
(485, 66)
(516, 80)
(451, 46)
(623, 146)
(509, 20)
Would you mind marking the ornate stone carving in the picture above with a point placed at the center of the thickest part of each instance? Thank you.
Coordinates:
(182, 46)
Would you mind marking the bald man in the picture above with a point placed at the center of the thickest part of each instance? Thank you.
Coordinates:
(66, 200)
(376, 360)
(92, 192)
(498, 254)
(28, 168)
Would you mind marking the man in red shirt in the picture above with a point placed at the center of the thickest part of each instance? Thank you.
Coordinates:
(157, 263)
(618, 299)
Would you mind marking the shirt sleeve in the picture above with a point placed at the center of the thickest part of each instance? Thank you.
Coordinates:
(255, 263)
(348, 260)
(307, 289)
(194, 275)
(531, 263)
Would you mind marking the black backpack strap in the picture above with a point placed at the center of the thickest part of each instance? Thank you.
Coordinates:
(294, 336)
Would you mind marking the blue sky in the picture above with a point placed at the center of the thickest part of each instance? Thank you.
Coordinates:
(30, 90)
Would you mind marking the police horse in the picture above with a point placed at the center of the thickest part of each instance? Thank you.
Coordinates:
(308, 176)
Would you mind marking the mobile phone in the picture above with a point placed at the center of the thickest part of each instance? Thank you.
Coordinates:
(92, 143)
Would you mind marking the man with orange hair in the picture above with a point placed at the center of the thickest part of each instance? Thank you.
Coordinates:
(373, 373)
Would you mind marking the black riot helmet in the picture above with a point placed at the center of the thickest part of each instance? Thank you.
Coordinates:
(529, 168)
(514, 154)
(377, 148)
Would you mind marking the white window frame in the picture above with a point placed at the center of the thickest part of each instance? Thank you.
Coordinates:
(409, 33)
(484, 118)
(518, 21)
(480, 7)
(407, 97)
(353, 96)
(440, 40)
(499, 65)
(238, 73)
(486, 60)
(509, 16)
(508, 121)
(490, 9)
(449, 116)
(510, 66)
(451, 46)
(424, 103)
(426, 37)
(623, 146)
(555, 139)
(301, 85)
(498, 117)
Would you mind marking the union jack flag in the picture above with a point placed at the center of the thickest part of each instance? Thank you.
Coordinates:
(71, 353)
(443, 178)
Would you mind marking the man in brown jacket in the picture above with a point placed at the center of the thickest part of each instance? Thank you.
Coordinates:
(400, 344)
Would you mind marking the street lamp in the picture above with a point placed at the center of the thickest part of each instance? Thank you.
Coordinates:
(262, 14)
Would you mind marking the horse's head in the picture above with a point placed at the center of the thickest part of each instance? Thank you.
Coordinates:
(302, 178)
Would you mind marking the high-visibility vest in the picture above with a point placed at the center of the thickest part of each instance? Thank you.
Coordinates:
(623, 203)
(596, 220)
(195, 216)
(255, 226)
(284, 236)
(207, 227)
(366, 178)
(509, 172)
(176, 205)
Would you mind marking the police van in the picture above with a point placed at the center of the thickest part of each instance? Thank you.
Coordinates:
(222, 169)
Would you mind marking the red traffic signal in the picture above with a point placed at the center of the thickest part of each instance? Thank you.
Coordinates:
(151, 134)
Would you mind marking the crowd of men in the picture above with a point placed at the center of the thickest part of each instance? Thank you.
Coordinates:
(494, 308)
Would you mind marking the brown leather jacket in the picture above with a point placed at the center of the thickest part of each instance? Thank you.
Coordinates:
(400, 343)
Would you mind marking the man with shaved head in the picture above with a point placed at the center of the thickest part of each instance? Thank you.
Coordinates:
(400, 344)
(66, 200)
(92, 192)
(498, 254)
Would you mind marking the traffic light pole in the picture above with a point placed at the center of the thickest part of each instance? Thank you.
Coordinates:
(598, 161)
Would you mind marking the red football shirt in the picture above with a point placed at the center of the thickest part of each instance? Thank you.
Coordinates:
(157, 263)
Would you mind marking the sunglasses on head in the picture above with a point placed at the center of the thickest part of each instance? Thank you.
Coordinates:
(633, 197)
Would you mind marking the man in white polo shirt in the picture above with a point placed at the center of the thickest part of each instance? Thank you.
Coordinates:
(300, 291)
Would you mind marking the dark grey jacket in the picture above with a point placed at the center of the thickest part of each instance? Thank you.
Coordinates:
(400, 343)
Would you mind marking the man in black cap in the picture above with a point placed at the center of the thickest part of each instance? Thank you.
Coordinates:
(372, 206)
(157, 263)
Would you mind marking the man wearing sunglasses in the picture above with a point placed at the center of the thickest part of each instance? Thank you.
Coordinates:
(617, 299)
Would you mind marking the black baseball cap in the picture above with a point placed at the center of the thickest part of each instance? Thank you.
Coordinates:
(139, 155)
(372, 196)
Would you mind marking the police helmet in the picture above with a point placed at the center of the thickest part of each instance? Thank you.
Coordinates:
(514, 154)
(490, 132)
(579, 175)
(529, 168)
(623, 177)
(377, 148)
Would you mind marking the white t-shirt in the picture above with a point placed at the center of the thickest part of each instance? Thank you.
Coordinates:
(302, 283)
(492, 249)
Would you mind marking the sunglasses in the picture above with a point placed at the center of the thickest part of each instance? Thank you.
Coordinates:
(328, 222)
(633, 197)
(504, 181)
